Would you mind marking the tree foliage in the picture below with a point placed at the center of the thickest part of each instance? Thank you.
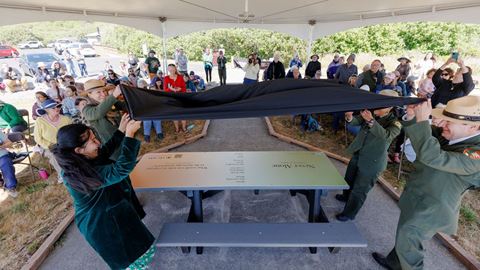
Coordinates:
(397, 38)
(384, 39)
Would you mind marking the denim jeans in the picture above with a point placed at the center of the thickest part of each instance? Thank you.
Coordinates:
(337, 118)
(248, 81)
(83, 69)
(19, 128)
(147, 127)
(8, 172)
(71, 68)
(353, 129)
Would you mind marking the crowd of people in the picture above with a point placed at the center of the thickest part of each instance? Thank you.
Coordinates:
(446, 156)
(82, 129)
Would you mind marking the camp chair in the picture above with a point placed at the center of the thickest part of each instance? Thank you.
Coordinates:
(24, 113)
(16, 137)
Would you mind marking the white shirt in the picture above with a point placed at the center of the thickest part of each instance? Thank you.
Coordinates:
(462, 139)
(251, 71)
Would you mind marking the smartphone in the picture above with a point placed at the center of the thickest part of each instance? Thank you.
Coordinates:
(455, 56)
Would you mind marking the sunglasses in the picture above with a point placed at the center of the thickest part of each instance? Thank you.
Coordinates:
(445, 74)
(110, 73)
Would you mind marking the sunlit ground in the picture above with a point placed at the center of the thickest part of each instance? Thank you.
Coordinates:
(3, 195)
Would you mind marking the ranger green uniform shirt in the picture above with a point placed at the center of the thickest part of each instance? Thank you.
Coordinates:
(442, 174)
(371, 143)
(96, 115)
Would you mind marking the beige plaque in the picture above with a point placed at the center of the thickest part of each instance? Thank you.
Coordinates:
(236, 170)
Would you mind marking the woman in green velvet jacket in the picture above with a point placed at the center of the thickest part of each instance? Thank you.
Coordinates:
(106, 210)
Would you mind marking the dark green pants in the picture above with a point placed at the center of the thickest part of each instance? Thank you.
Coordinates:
(361, 181)
(408, 252)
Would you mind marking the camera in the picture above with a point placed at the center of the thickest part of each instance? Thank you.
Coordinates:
(250, 61)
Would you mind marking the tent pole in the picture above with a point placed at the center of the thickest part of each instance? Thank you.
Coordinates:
(311, 24)
(163, 20)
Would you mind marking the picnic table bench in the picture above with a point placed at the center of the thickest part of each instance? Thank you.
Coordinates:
(203, 174)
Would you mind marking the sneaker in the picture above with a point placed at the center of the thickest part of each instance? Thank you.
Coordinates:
(147, 139)
(396, 158)
(160, 136)
(381, 260)
(12, 192)
(341, 198)
(341, 217)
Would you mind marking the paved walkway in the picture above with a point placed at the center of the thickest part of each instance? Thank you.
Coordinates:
(376, 221)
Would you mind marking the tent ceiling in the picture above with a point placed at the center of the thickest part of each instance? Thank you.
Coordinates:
(265, 11)
(291, 17)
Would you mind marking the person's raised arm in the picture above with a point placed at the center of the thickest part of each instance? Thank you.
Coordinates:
(92, 113)
(468, 84)
(428, 148)
(125, 163)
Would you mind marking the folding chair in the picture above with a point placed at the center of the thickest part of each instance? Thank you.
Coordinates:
(20, 157)
(23, 113)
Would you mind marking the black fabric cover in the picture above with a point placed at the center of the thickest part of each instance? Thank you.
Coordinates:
(277, 97)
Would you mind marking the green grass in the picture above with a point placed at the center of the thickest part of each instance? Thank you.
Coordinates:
(19, 207)
(36, 187)
(468, 214)
(32, 247)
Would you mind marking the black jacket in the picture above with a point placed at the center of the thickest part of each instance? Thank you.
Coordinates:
(222, 62)
(312, 67)
(275, 71)
(446, 90)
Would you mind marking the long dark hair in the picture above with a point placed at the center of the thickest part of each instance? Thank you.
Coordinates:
(43, 94)
(78, 171)
(57, 89)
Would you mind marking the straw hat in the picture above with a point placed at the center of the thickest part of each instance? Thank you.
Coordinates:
(464, 110)
(404, 58)
(388, 92)
(93, 84)
(41, 64)
(311, 57)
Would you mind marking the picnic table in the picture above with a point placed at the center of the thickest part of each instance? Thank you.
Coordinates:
(203, 174)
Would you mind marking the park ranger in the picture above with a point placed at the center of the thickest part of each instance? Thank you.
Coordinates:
(447, 165)
(369, 158)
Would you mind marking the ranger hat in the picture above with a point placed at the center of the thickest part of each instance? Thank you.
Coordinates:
(404, 58)
(388, 92)
(464, 110)
(93, 84)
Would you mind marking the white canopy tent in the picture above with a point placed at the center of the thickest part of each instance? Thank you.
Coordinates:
(306, 19)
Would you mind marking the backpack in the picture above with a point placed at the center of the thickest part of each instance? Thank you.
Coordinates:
(308, 123)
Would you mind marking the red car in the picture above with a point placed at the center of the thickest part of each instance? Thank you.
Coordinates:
(8, 51)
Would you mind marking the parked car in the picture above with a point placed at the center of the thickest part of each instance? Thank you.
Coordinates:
(8, 51)
(61, 45)
(51, 45)
(31, 45)
(85, 49)
(29, 62)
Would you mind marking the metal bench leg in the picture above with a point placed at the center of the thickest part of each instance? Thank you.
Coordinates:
(316, 214)
(256, 191)
(197, 211)
(293, 193)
